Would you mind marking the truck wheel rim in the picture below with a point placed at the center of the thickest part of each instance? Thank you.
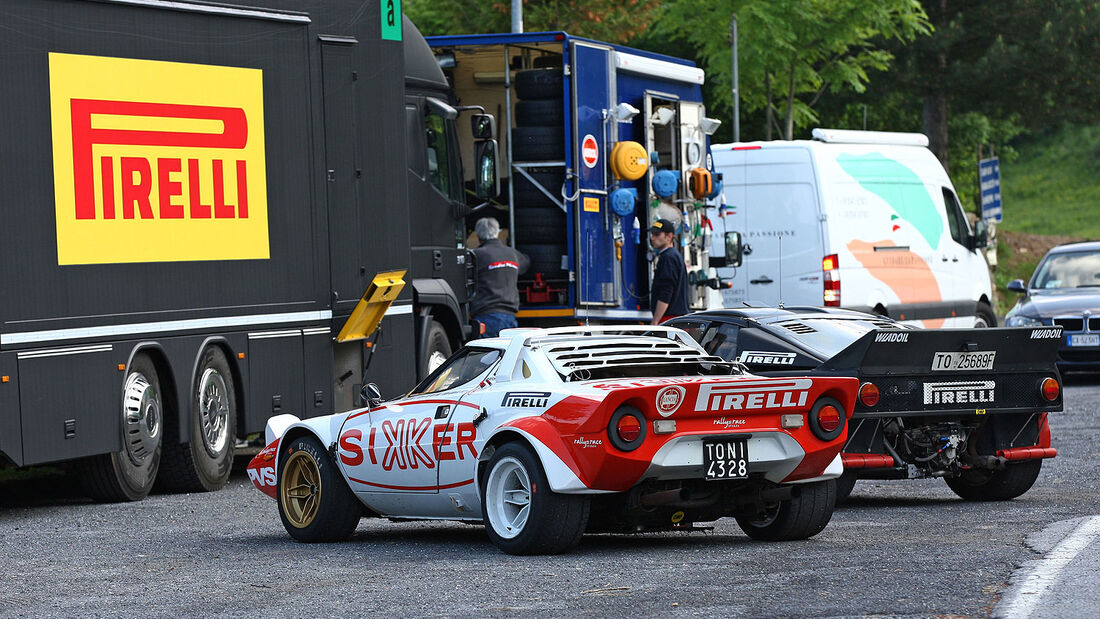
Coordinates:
(141, 416)
(508, 498)
(300, 489)
(214, 412)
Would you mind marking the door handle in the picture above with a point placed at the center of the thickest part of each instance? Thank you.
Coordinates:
(762, 280)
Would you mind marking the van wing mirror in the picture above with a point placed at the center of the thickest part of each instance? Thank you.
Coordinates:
(980, 238)
(733, 250)
(486, 178)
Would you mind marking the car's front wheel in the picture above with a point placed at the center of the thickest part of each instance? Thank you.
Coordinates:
(315, 503)
(985, 485)
(522, 515)
(800, 517)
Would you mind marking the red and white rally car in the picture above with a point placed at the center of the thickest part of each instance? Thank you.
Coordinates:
(544, 434)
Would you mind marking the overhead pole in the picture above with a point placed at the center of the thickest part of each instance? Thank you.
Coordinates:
(517, 16)
(736, 98)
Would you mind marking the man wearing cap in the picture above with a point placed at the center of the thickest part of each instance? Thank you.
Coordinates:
(668, 296)
(496, 300)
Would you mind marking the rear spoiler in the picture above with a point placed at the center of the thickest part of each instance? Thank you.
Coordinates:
(891, 352)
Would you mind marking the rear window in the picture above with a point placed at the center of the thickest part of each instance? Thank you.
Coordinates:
(826, 336)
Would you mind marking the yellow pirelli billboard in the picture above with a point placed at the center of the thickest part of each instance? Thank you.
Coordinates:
(157, 161)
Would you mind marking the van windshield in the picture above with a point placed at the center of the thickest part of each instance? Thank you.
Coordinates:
(827, 336)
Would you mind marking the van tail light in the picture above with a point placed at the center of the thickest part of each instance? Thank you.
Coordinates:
(827, 419)
(868, 394)
(1050, 389)
(627, 428)
(830, 269)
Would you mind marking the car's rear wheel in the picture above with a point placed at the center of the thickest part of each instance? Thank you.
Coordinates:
(522, 515)
(315, 503)
(800, 517)
(985, 485)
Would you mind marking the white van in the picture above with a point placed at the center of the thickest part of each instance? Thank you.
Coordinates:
(858, 219)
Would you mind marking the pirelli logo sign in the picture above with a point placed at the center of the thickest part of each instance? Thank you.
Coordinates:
(157, 161)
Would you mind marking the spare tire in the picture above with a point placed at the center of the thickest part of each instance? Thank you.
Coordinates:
(545, 224)
(540, 113)
(539, 83)
(545, 258)
(526, 195)
(538, 144)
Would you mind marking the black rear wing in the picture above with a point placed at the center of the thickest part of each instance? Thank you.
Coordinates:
(947, 371)
(922, 351)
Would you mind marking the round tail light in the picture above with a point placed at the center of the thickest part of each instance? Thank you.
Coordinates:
(1050, 389)
(627, 428)
(827, 419)
(868, 394)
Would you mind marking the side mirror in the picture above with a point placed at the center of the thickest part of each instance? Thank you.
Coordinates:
(371, 395)
(483, 126)
(486, 179)
(1017, 285)
(980, 238)
(733, 252)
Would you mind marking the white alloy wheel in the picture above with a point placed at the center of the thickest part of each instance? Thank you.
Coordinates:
(508, 497)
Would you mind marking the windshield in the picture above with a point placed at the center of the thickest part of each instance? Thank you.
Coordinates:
(1079, 269)
(466, 365)
(826, 336)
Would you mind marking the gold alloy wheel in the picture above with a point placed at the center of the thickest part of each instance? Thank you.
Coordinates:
(300, 490)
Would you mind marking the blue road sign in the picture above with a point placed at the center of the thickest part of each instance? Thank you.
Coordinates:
(989, 179)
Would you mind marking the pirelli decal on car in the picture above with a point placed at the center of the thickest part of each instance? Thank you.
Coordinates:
(766, 358)
(525, 399)
(157, 161)
(753, 395)
(968, 392)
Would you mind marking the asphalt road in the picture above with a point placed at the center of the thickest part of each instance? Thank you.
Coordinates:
(897, 549)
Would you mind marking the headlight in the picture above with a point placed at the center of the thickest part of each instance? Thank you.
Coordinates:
(1023, 321)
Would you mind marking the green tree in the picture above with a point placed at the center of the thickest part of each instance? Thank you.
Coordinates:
(791, 53)
(616, 21)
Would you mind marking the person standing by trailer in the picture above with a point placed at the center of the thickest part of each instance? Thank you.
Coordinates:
(496, 300)
(668, 296)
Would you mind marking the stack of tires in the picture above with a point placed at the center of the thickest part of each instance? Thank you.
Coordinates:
(539, 135)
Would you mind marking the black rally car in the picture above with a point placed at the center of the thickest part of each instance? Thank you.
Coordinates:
(968, 405)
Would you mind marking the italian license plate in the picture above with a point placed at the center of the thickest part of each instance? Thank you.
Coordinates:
(725, 458)
(1085, 339)
(962, 361)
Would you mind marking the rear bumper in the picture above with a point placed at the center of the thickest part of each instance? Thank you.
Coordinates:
(774, 454)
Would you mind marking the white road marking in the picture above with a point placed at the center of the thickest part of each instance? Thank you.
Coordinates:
(1028, 593)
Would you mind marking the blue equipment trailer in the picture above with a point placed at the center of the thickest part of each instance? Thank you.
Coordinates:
(578, 210)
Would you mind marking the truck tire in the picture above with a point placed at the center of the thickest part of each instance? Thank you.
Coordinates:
(526, 194)
(128, 475)
(519, 518)
(800, 517)
(540, 113)
(437, 349)
(315, 503)
(984, 317)
(538, 144)
(544, 224)
(545, 259)
(545, 83)
(1012, 481)
(204, 463)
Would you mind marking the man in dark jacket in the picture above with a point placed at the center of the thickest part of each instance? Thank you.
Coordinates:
(496, 300)
(668, 296)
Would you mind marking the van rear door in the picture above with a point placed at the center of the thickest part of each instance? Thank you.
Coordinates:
(772, 200)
